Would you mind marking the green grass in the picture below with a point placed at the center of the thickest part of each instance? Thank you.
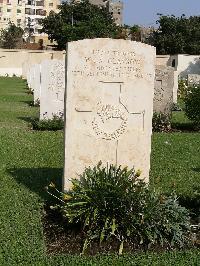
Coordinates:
(29, 160)
(180, 120)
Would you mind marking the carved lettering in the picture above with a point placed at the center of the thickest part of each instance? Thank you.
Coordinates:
(57, 77)
(116, 64)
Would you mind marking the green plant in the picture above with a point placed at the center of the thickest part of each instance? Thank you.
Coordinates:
(29, 91)
(192, 104)
(37, 103)
(56, 123)
(161, 122)
(78, 20)
(176, 107)
(112, 202)
(11, 37)
(176, 35)
(182, 88)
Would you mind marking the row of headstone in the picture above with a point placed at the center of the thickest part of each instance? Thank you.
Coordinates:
(109, 102)
(52, 89)
(47, 81)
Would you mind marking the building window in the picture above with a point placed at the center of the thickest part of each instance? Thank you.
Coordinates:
(8, 10)
(173, 63)
(50, 4)
(41, 12)
(19, 11)
(39, 3)
(18, 22)
(29, 11)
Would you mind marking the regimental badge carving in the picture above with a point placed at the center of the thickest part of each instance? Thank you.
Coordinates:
(57, 77)
(110, 121)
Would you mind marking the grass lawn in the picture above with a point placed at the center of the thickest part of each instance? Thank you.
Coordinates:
(30, 160)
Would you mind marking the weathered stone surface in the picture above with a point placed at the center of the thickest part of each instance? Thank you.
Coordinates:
(175, 88)
(109, 105)
(193, 79)
(31, 77)
(163, 93)
(52, 88)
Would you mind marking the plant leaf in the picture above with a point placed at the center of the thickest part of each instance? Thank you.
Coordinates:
(121, 248)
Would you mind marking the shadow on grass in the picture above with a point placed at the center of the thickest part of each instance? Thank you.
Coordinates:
(36, 179)
(26, 119)
(188, 127)
(29, 103)
(192, 204)
(197, 170)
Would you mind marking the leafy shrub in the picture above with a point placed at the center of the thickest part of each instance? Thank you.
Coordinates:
(182, 88)
(37, 103)
(176, 107)
(56, 123)
(29, 91)
(113, 203)
(161, 122)
(192, 104)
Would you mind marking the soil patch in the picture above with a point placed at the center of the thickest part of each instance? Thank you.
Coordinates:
(61, 238)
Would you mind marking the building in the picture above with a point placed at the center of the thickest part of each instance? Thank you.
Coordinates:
(115, 7)
(26, 13)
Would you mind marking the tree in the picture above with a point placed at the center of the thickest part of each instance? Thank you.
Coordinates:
(79, 20)
(135, 33)
(11, 37)
(177, 35)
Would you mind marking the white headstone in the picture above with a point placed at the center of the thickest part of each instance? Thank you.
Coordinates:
(109, 105)
(193, 79)
(163, 93)
(31, 77)
(52, 88)
(37, 83)
(175, 88)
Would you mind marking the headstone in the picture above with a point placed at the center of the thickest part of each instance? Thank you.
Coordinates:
(175, 88)
(31, 77)
(25, 70)
(52, 89)
(163, 93)
(37, 83)
(193, 79)
(109, 105)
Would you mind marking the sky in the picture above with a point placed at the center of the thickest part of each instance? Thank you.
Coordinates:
(144, 12)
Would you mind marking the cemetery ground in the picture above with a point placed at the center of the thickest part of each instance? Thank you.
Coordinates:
(30, 160)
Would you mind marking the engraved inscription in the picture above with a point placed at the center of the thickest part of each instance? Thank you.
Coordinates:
(111, 64)
(57, 77)
(110, 122)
